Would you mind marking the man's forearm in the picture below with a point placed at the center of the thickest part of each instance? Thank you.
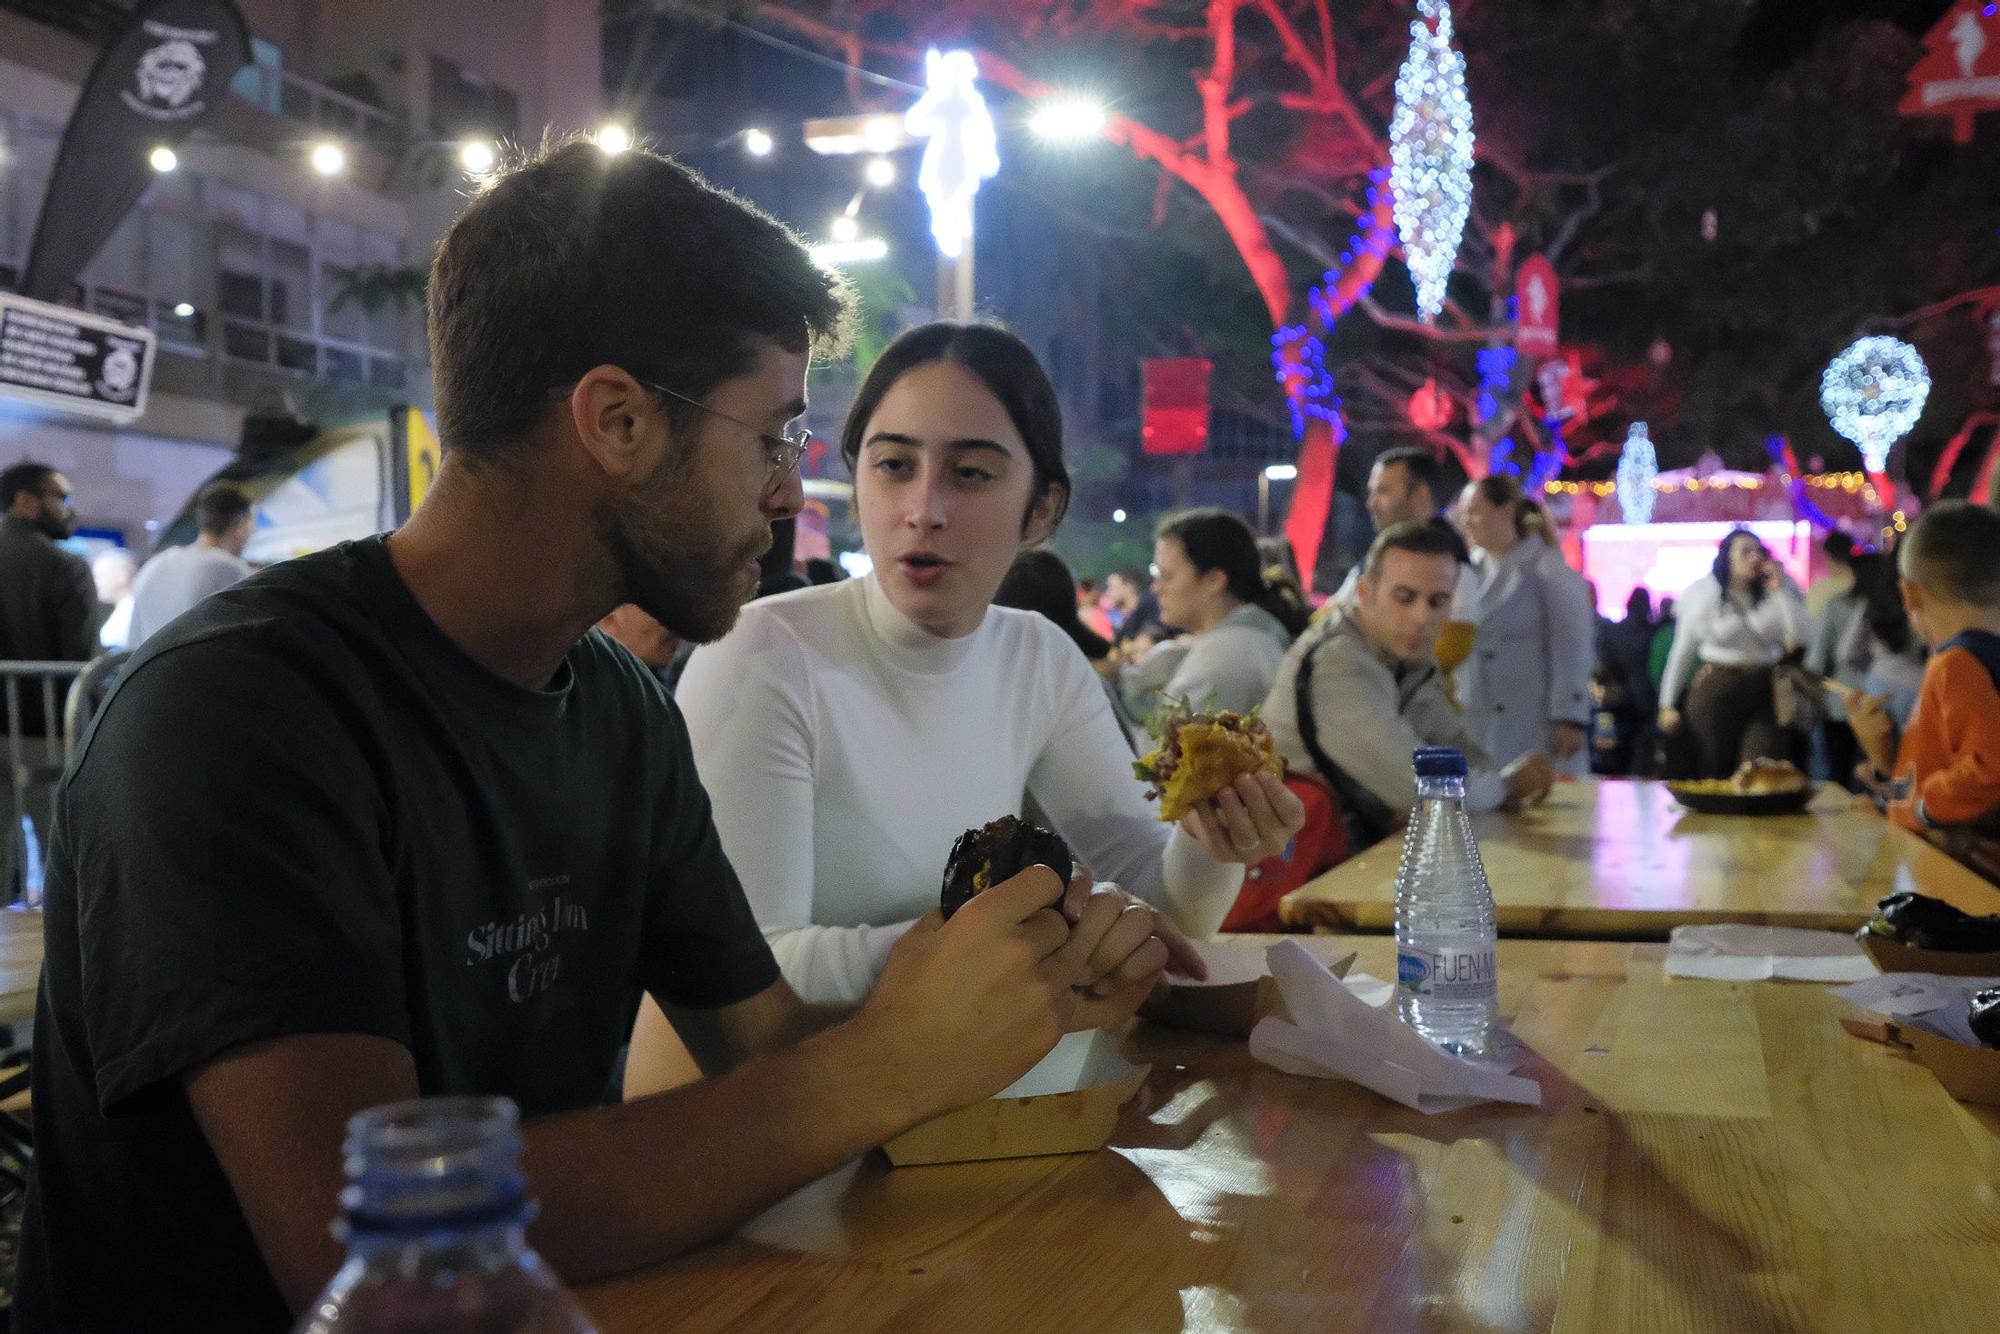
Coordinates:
(625, 1186)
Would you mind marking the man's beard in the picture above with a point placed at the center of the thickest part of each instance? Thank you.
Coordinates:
(672, 566)
(57, 527)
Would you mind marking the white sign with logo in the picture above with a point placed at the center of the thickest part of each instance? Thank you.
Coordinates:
(57, 357)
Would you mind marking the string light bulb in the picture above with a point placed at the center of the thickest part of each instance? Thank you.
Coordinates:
(1430, 155)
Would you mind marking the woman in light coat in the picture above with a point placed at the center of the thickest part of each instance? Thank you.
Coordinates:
(1537, 632)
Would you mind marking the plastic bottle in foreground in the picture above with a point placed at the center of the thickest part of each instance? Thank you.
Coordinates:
(1447, 987)
(434, 1217)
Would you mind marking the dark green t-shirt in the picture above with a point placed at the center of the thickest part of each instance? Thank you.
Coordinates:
(304, 810)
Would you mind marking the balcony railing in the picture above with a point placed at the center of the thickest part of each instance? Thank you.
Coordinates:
(295, 97)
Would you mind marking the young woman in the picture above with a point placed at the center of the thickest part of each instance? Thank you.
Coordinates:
(1879, 651)
(1530, 687)
(1211, 583)
(848, 734)
(1737, 622)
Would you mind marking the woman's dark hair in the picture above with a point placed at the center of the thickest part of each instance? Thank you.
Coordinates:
(1040, 582)
(1504, 491)
(1882, 601)
(1721, 567)
(1639, 605)
(998, 360)
(1215, 539)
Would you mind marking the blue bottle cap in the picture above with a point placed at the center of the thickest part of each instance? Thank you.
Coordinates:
(1439, 762)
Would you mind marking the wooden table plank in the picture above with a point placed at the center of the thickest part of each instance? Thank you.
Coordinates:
(1620, 859)
(1802, 1180)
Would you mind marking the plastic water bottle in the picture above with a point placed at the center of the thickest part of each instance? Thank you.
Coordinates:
(434, 1218)
(1447, 987)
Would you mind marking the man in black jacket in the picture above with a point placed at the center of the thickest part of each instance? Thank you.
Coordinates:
(48, 605)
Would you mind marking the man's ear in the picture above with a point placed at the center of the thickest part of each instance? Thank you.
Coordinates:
(1042, 515)
(608, 410)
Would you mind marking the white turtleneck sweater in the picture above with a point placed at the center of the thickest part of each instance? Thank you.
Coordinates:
(845, 748)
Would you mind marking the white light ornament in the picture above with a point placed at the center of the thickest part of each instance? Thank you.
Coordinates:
(963, 148)
(1873, 394)
(1430, 155)
(1638, 465)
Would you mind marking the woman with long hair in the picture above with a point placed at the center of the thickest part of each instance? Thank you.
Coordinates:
(1530, 683)
(1736, 624)
(1237, 620)
(848, 734)
(1879, 650)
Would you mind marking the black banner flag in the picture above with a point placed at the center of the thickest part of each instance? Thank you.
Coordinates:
(153, 84)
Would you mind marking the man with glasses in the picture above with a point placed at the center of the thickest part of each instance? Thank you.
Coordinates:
(447, 833)
(48, 613)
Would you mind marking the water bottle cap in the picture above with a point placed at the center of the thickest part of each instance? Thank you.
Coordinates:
(1439, 762)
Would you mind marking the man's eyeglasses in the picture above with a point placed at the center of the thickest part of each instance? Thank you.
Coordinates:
(783, 452)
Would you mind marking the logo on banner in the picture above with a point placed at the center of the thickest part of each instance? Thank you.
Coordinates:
(169, 75)
(118, 377)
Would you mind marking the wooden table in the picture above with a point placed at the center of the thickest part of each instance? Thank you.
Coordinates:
(20, 964)
(1709, 1157)
(1622, 860)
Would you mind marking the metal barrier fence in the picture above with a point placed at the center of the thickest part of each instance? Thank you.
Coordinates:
(39, 742)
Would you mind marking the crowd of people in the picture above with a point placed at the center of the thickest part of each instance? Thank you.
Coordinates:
(461, 839)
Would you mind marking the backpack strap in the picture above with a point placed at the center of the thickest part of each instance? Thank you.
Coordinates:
(1367, 817)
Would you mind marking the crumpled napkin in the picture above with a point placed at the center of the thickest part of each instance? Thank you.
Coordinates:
(1336, 1034)
(1738, 952)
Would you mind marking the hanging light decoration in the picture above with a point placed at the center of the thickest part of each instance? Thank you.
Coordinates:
(1430, 155)
(1638, 465)
(1873, 394)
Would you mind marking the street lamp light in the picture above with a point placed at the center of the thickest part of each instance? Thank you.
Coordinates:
(758, 143)
(845, 228)
(880, 173)
(163, 159)
(1276, 472)
(1068, 120)
(862, 250)
(1118, 516)
(476, 156)
(614, 138)
(328, 158)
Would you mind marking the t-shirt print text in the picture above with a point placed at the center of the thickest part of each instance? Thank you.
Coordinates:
(528, 942)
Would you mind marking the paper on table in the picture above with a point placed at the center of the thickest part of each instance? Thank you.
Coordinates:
(1939, 1002)
(1737, 952)
(1336, 1034)
(1232, 963)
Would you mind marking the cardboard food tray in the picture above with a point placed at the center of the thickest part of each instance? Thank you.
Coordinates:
(1892, 956)
(1069, 1103)
(1968, 1073)
(1240, 991)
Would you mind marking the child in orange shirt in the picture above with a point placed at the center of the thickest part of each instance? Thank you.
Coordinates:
(1946, 771)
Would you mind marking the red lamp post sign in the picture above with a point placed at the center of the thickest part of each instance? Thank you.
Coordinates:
(1175, 420)
(1959, 75)
(1538, 321)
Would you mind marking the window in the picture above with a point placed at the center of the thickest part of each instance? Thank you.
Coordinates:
(463, 104)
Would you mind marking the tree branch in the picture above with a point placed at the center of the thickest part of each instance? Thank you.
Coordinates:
(1406, 324)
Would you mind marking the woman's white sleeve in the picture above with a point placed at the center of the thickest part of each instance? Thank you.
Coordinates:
(751, 719)
(1690, 626)
(1083, 781)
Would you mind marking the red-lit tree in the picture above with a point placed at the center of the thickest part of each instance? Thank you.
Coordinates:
(1283, 143)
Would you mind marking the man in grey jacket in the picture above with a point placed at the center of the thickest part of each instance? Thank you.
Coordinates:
(1374, 692)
